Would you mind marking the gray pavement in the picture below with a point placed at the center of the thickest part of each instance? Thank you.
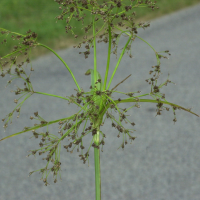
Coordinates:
(163, 163)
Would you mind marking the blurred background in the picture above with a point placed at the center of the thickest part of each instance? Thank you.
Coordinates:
(163, 163)
(39, 16)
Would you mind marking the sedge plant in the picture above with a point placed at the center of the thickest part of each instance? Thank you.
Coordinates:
(97, 104)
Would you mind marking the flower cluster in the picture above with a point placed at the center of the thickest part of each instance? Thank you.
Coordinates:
(24, 43)
(96, 105)
(68, 128)
(115, 13)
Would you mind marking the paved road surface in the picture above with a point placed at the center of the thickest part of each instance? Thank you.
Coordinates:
(163, 163)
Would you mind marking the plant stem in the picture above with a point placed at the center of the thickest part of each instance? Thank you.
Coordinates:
(122, 53)
(97, 167)
(108, 59)
(63, 63)
(95, 51)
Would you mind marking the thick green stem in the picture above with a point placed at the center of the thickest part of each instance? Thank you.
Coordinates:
(97, 167)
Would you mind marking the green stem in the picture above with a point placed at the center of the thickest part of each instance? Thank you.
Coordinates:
(63, 63)
(95, 51)
(37, 127)
(129, 100)
(52, 95)
(8, 55)
(155, 101)
(108, 59)
(145, 42)
(97, 167)
(158, 60)
(118, 62)
(96, 136)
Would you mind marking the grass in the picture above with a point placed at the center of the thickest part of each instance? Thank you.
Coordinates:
(37, 15)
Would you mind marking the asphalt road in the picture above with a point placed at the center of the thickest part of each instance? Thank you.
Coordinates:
(163, 163)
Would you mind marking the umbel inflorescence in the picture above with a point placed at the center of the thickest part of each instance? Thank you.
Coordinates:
(96, 105)
(114, 14)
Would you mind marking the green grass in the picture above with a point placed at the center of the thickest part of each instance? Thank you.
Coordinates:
(39, 16)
